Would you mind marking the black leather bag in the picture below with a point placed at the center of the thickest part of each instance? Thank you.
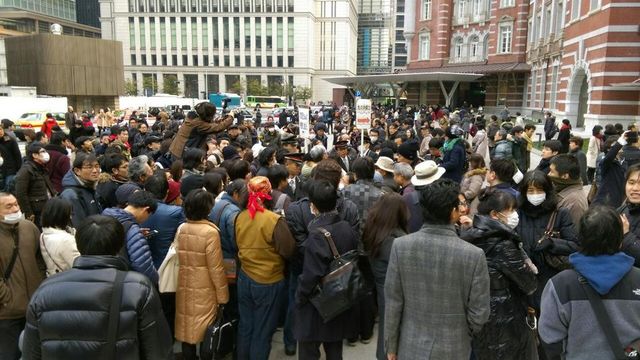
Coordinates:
(555, 251)
(347, 282)
(220, 337)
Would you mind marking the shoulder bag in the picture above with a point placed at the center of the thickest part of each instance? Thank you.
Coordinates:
(219, 338)
(555, 251)
(114, 316)
(43, 244)
(631, 351)
(14, 256)
(168, 271)
(343, 286)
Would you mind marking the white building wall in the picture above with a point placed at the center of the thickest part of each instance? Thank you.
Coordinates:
(331, 27)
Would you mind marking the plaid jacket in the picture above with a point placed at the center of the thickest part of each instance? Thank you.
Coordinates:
(364, 194)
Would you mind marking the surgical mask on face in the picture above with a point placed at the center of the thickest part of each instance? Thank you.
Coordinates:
(512, 220)
(45, 157)
(13, 218)
(374, 139)
(536, 199)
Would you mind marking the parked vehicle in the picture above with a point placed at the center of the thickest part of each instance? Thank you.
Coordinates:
(37, 118)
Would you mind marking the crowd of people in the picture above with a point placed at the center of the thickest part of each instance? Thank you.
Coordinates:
(474, 253)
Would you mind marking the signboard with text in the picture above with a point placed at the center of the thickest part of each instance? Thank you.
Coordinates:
(303, 121)
(363, 114)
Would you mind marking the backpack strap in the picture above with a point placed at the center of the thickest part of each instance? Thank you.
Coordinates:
(218, 216)
(114, 315)
(332, 245)
(603, 319)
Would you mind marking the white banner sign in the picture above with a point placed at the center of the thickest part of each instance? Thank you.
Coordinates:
(303, 121)
(363, 114)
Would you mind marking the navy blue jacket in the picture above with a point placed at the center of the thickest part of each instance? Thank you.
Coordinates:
(84, 200)
(165, 221)
(225, 221)
(140, 258)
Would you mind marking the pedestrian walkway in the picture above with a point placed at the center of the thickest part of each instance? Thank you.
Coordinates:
(359, 352)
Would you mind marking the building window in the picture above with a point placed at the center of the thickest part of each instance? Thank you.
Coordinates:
(258, 32)
(290, 33)
(236, 33)
(163, 33)
(205, 33)
(462, 9)
(152, 32)
(205, 60)
(425, 44)
(269, 61)
(504, 45)
(426, 9)
(530, 32)
(247, 60)
(507, 3)
(143, 38)
(560, 18)
(247, 34)
(144, 60)
(174, 42)
(536, 28)
(195, 60)
(269, 33)
(575, 9)
(185, 60)
(174, 60)
(183, 32)
(258, 61)
(457, 49)
(290, 60)
(474, 48)
(594, 5)
(280, 61)
(225, 32)
(154, 60)
(554, 87)
(133, 59)
(476, 8)
(164, 60)
(214, 28)
(132, 33)
(194, 33)
(280, 34)
(534, 79)
(547, 22)
(226, 61)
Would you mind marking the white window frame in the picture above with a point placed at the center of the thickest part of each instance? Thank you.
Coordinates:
(507, 3)
(476, 8)
(458, 49)
(554, 87)
(424, 38)
(534, 81)
(426, 9)
(594, 5)
(462, 9)
(575, 9)
(474, 48)
(559, 25)
(501, 39)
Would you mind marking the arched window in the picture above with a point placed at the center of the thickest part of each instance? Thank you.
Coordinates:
(474, 48)
(457, 49)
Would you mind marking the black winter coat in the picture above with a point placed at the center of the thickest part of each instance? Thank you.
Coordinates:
(10, 152)
(308, 324)
(298, 216)
(66, 318)
(612, 171)
(533, 222)
(631, 241)
(454, 162)
(33, 189)
(505, 335)
(84, 200)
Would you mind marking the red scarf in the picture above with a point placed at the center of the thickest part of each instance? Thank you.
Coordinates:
(565, 127)
(255, 202)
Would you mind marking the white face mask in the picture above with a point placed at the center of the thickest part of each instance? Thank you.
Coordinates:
(512, 220)
(13, 218)
(536, 199)
(45, 157)
(374, 139)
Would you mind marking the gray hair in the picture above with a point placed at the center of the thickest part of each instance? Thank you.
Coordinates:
(137, 167)
(404, 170)
(317, 153)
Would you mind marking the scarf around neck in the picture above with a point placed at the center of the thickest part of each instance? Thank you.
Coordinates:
(561, 184)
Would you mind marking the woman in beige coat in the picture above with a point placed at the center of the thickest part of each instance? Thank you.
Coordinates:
(472, 181)
(202, 284)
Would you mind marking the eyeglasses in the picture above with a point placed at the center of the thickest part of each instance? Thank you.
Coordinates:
(91, 167)
(463, 203)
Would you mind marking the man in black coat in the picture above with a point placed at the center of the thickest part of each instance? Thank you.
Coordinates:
(11, 159)
(299, 216)
(71, 305)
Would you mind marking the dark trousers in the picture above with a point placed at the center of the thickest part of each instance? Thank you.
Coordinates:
(591, 173)
(287, 331)
(259, 306)
(366, 310)
(189, 351)
(168, 302)
(9, 334)
(311, 350)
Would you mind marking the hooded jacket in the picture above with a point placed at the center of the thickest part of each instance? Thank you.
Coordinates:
(66, 318)
(568, 326)
(84, 200)
(33, 189)
(138, 250)
(505, 336)
(454, 161)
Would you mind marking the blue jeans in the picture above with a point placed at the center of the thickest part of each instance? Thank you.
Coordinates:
(258, 306)
(287, 332)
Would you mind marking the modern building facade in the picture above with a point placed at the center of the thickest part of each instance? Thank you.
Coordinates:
(88, 12)
(376, 34)
(585, 59)
(210, 45)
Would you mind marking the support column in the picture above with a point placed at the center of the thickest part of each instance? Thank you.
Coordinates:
(448, 95)
(409, 26)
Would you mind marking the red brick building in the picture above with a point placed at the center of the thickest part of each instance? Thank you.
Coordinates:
(487, 37)
(585, 60)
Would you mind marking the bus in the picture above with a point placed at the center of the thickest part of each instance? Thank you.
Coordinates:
(234, 100)
(265, 102)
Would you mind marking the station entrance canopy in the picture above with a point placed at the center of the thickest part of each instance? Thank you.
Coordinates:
(447, 75)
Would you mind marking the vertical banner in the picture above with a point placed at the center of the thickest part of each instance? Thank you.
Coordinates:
(363, 114)
(303, 121)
